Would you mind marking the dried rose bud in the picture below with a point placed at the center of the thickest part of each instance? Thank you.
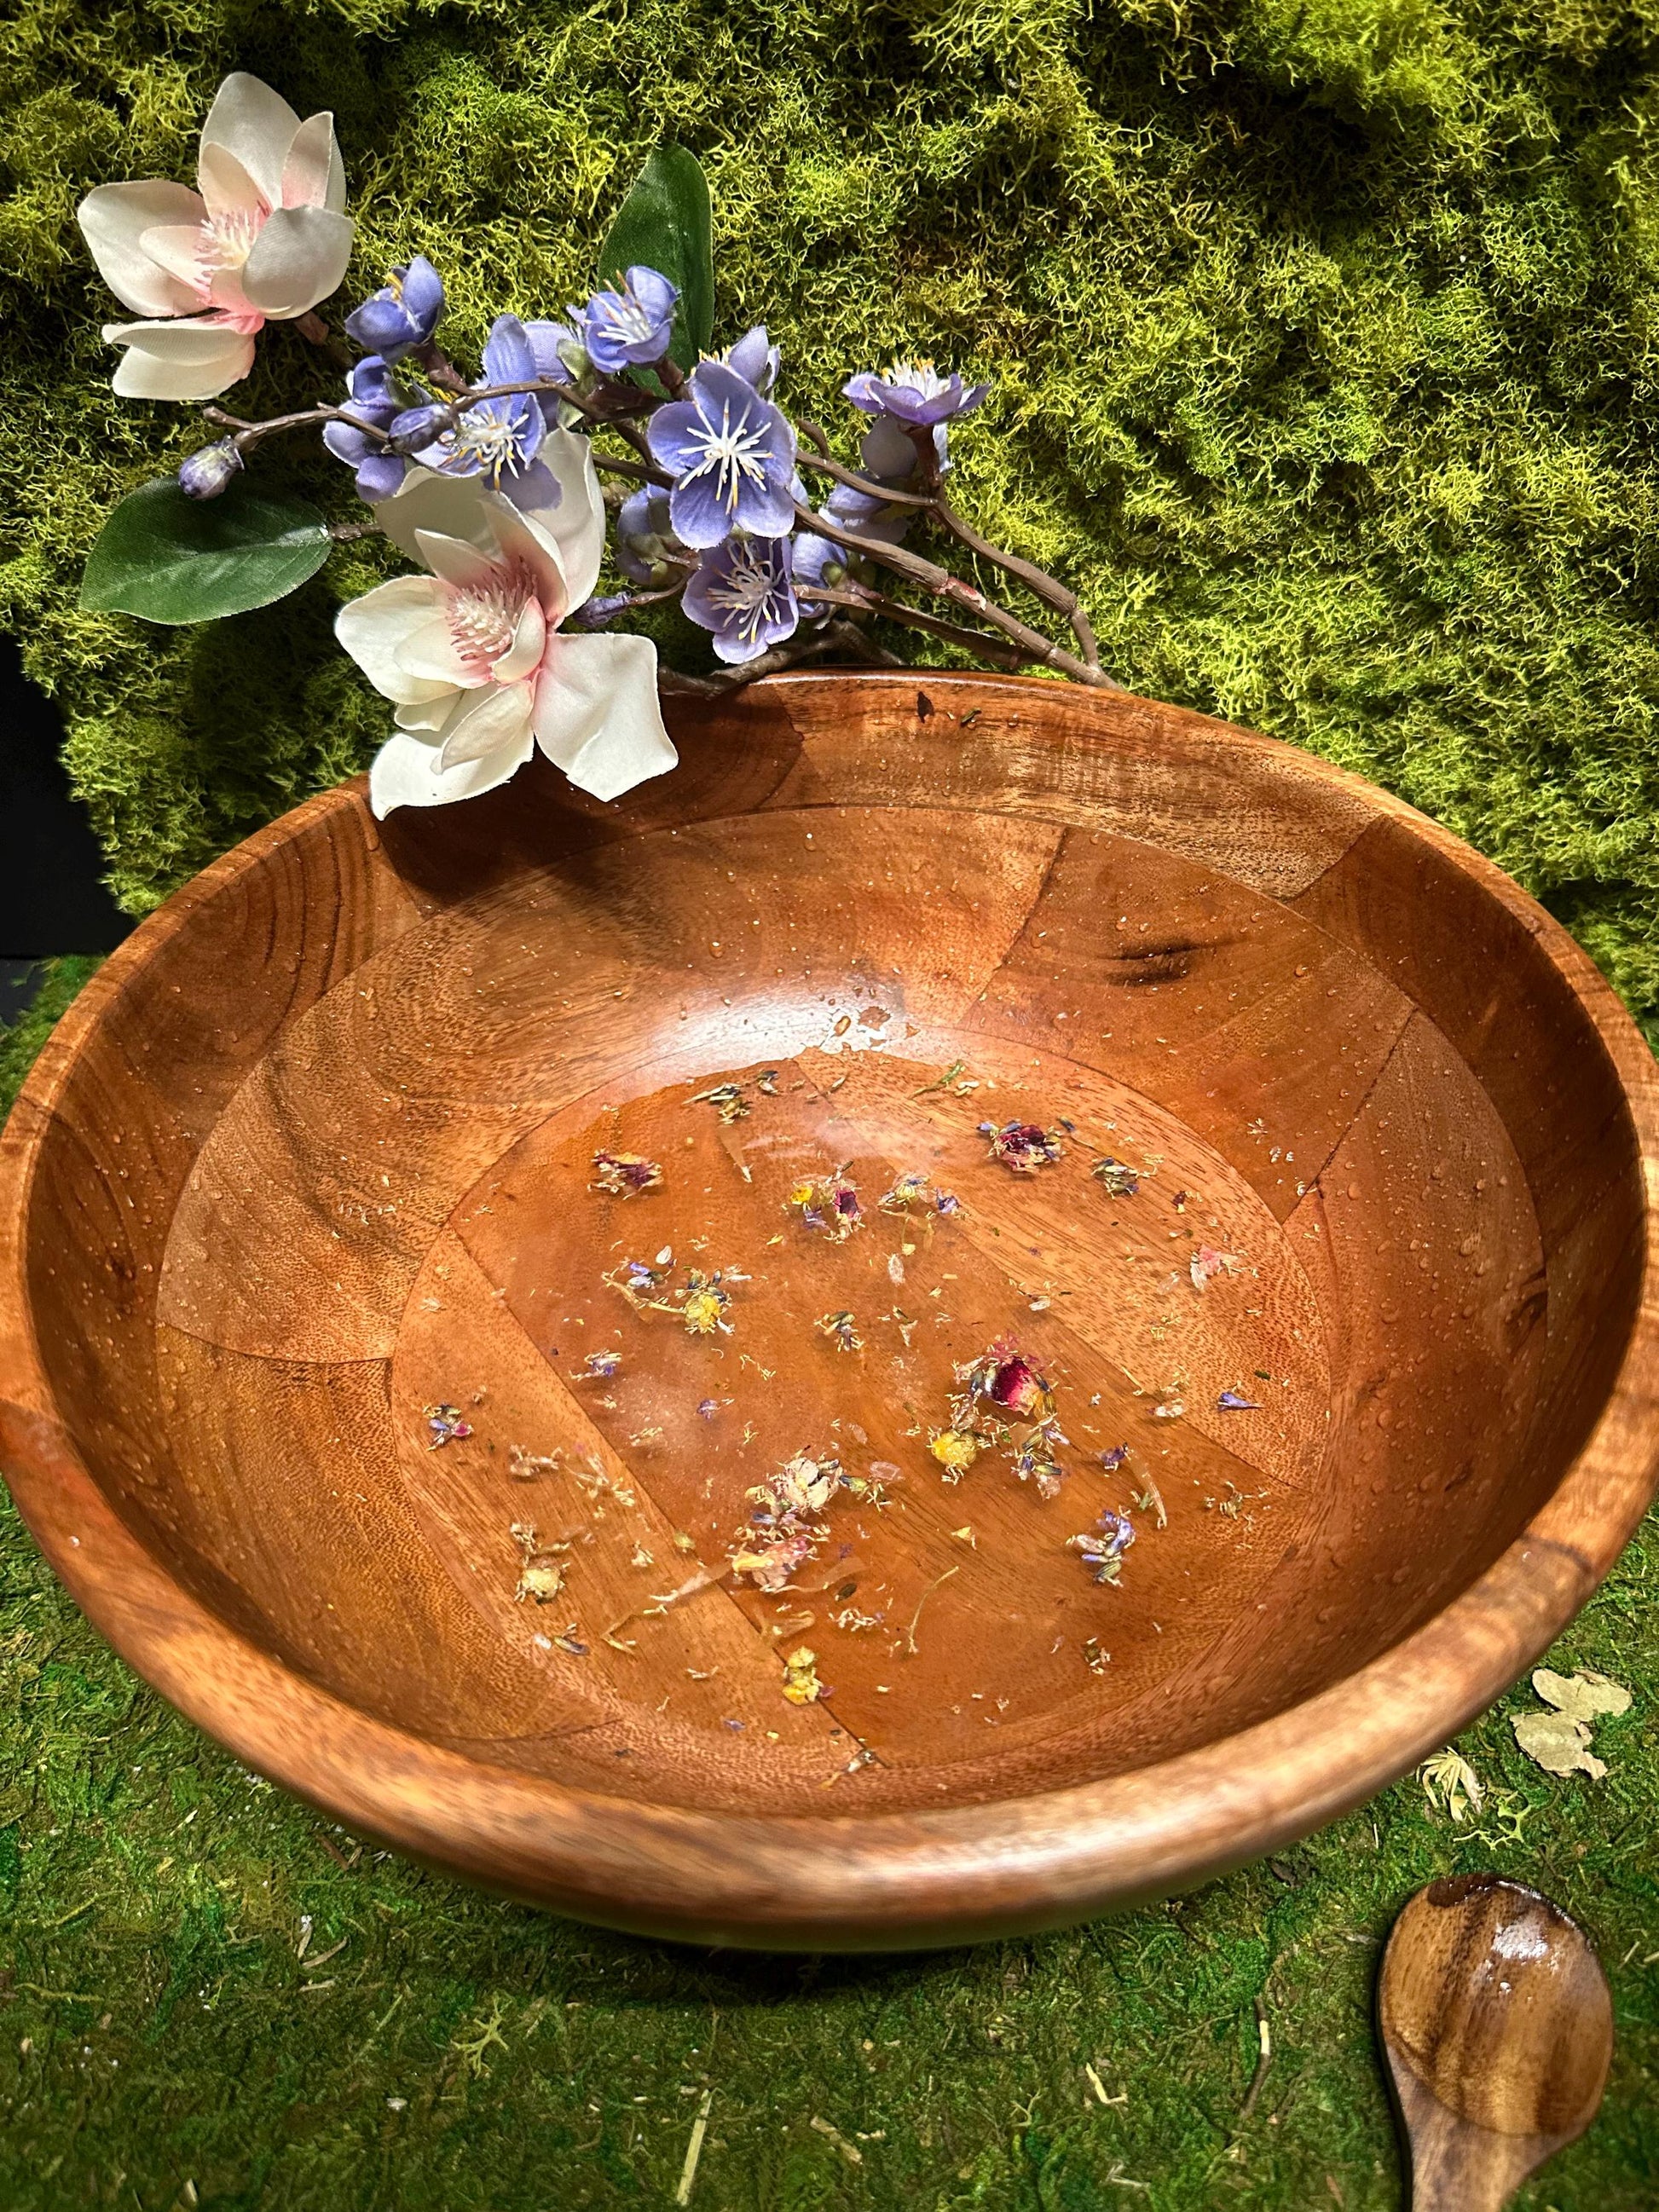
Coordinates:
(1017, 1386)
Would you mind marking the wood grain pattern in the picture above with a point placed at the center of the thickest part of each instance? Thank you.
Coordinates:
(315, 1154)
(1498, 2027)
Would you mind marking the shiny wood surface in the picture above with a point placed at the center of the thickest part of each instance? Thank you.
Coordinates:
(1498, 2028)
(314, 1153)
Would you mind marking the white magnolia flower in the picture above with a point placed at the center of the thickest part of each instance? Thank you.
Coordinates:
(263, 240)
(472, 654)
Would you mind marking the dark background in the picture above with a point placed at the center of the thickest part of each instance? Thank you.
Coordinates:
(53, 897)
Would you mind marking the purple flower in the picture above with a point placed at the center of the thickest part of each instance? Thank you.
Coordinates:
(754, 359)
(401, 315)
(816, 560)
(914, 393)
(1113, 1457)
(497, 438)
(630, 327)
(887, 456)
(733, 457)
(1233, 1401)
(561, 356)
(209, 470)
(372, 395)
(644, 536)
(743, 592)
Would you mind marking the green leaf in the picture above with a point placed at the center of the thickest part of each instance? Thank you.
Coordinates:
(664, 223)
(172, 559)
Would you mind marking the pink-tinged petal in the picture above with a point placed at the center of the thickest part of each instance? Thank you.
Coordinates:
(227, 298)
(492, 722)
(453, 559)
(524, 538)
(176, 248)
(598, 716)
(405, 773)
(529, 643)
(256, 124)
(313, 174)
(459, 506)
(228, 189)
(298, 257)
(576, 524)
(114, 220)
(375, 629)
(188, 359)
(429, 653)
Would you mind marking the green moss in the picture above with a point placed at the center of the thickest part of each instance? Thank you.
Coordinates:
(1326, 364)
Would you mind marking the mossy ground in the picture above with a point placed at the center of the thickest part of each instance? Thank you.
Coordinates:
(1324, 347)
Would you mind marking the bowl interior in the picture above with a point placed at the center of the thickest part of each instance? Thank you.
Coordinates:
(323, 1160)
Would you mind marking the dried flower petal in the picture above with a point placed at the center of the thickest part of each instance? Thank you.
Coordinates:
(1034, 1461)
(1006, 1378)
(842, 1330)
(909, 1190)
(1022, 1147)
(1230, 1401)
(600, 1366)
(728, 1098)
(956, 1451)
(446, 1425)
(770, 1560)
(1450, 1781)
(1119, 1179)
(801, 1684)
(541, 1576)
(829, 1204)
(1102, 1552)
(624, 1175)
(1206, 1263)
(802, 1485)
(703, 1302)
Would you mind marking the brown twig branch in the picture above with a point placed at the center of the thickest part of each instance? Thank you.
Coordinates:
(891, 610)
(838, 637)
(939, 583)
(1038, 581)
(824, 460)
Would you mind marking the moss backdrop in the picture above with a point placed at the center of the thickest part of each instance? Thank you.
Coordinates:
(1323, 342)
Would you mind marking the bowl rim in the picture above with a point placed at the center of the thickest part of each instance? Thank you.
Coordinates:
(882, 1881)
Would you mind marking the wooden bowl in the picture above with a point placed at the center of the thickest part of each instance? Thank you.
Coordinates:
(313, 1154)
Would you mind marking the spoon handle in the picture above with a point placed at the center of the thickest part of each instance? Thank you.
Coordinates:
(1457, 2166)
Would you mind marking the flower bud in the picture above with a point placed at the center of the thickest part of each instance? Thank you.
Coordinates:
(416, 427)
(207, 472)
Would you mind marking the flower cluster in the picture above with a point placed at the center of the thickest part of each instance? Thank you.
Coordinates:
(1003, 1399)
(492, 650)
(788, 1520)
(829, 1204)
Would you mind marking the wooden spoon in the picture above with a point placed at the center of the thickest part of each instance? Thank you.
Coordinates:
(1495, 2019)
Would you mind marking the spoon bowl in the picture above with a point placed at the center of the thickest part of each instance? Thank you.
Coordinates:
(1497, 2025)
